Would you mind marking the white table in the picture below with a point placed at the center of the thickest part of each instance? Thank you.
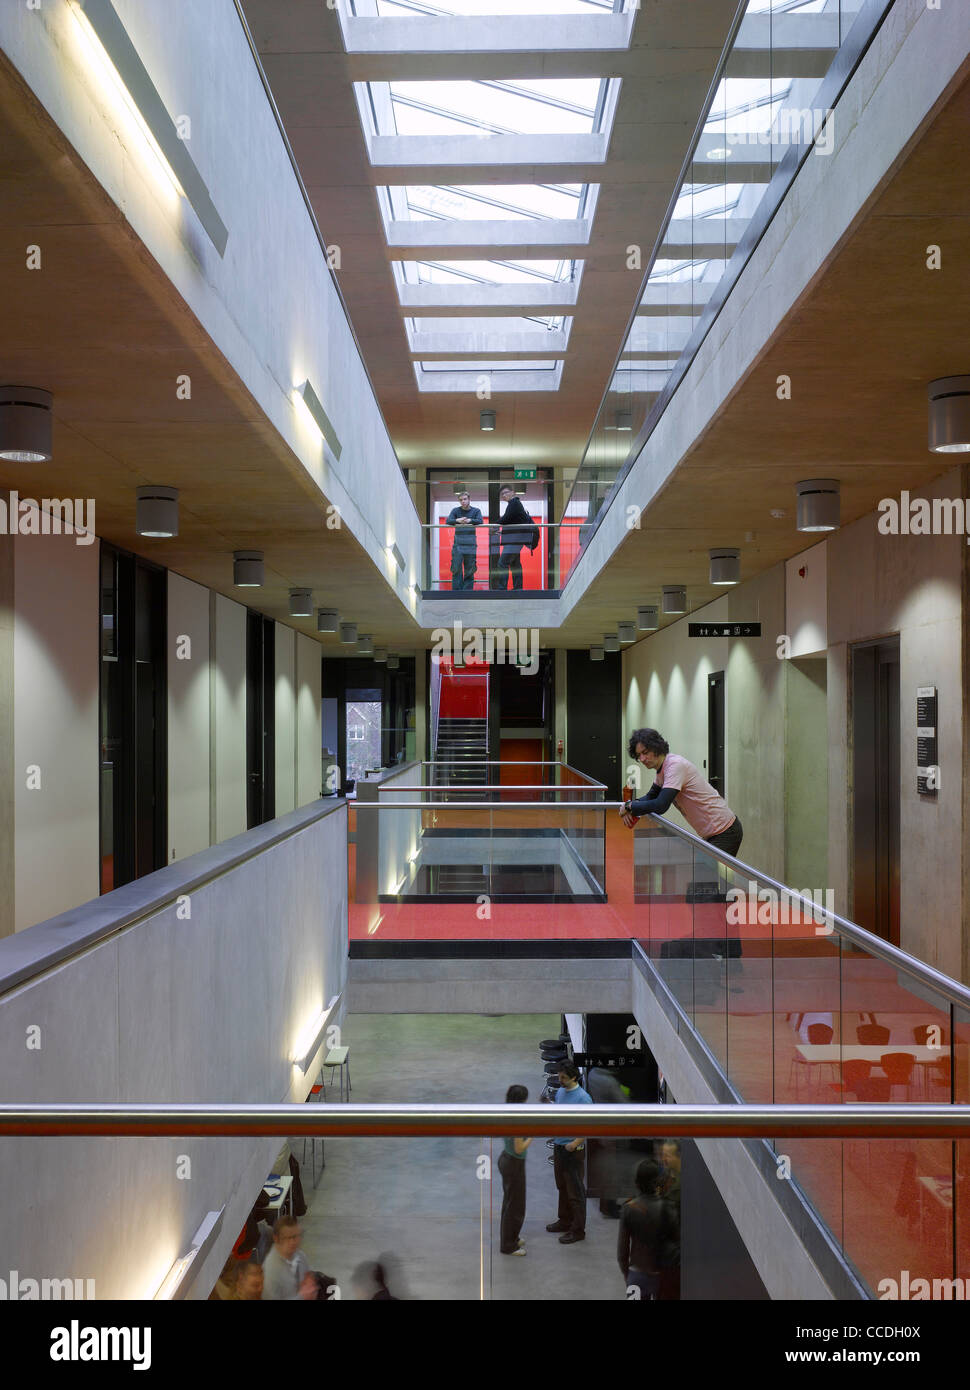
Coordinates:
(285, 1199)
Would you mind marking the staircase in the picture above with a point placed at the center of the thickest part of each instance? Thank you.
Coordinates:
(459, 756)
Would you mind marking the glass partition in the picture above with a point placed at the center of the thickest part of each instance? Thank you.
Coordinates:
(797, 1006)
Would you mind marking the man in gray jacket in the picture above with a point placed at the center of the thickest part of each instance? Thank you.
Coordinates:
(464, 518)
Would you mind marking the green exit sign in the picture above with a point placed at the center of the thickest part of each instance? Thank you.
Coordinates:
(521, 474)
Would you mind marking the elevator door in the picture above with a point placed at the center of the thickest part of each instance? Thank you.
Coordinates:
(876, 787)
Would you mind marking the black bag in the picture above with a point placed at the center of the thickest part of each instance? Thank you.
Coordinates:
(534, 538)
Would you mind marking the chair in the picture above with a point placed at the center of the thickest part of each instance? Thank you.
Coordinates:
(819, 1034)
(898, 1067)
(855, 1074)
(338, 1058)
(317, 1094)
(872, 1034)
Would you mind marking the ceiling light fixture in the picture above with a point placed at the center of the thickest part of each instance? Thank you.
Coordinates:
(395, 555)
(118, 67)
(314, 407)
(624, 420)
(487, 420)
(818, 504)
(178, 1280)
(301, 603)
(328, 620)
(393, 661)
(949, 399)
(674, 599)
(365, 645)
(648, 618)
(596, 654)
(247, 569)
(348, 633)
(725, 565)
(380, 655)
(26, 424)
(611, 642)
(627, 632)
(157, 512)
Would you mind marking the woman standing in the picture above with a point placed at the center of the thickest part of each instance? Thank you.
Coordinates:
(511, 1165)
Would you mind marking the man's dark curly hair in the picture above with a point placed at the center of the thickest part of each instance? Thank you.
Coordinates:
(651, 740)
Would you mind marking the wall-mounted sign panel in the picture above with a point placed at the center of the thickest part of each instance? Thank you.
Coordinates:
(723, 629)
(927, 765)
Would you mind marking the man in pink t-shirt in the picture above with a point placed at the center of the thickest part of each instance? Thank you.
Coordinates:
(678, 781)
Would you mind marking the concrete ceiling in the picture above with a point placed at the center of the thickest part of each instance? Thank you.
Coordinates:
(101, 327)
(667, 72)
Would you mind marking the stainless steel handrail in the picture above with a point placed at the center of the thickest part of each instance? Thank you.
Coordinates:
(951, 989)
(491, 806)
(150, 1119)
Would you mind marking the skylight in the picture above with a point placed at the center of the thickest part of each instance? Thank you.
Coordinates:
(509, 364)
(397, 9)
(544, 106)
(486, 272)
(489, 202)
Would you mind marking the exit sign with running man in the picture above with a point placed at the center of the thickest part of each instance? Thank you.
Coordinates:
(522, 474)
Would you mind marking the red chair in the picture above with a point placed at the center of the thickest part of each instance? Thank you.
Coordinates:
(898, 1067)
(819, 1035)
(872, 1034)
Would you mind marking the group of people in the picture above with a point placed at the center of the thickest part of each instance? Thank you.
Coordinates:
(285, 1276)
(517, 529)
(648, 1239)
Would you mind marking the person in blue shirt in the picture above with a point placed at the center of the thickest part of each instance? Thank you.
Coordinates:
(569, 1160)
(464, 518)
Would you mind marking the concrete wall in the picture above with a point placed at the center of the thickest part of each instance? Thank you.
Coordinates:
(188, 717)
(285, 696)
(203, 1008)
(665, 687)
(270, 304)
(228, 718)
(308, 720)
(911, 585)
(55, 686)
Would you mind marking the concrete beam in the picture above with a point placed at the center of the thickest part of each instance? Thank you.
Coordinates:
(465, 382)
(500, 300)
(681, 298)
(540, 343)
(501, 238)
(392, 153)
(702, 238)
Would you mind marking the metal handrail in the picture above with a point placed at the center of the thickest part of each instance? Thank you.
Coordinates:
(492, 806)
(158, 1119)
(951, 989)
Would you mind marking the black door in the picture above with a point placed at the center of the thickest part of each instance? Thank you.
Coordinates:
(876, 787)
(715, 731)
(593, 721)
(260, 719)
(133, 718)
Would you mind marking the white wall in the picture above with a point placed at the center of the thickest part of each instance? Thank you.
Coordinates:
(188, 717)
(209, 1008)
(285, 697)
(665, 683)
(56, 677)
(228, 718)
(309, 727)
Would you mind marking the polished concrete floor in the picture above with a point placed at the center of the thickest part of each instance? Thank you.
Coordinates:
(422, 1199)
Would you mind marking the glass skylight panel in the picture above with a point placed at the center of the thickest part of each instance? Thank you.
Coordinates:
(708, 200)
(486, 272)
(746, 105)
(493, 202)
(545, 106)
(397, 9)
(510, 364)
(551, 323)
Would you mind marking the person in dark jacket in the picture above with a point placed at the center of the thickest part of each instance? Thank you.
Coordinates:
(648, 1233)
(516, 524)
(464, 518)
